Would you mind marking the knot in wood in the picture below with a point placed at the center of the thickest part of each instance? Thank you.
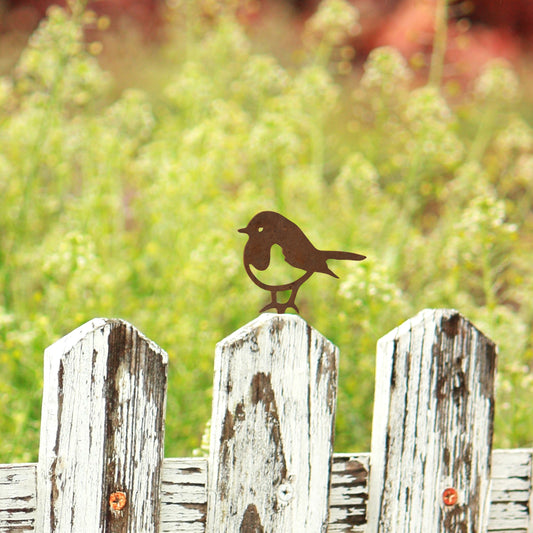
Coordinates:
(117, 501)
(285, 493)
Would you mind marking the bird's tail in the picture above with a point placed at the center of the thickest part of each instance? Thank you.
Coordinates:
(349, 256)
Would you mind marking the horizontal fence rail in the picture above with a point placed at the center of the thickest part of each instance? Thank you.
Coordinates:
(184, 494)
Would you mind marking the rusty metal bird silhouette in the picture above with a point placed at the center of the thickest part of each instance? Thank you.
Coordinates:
(269, 228)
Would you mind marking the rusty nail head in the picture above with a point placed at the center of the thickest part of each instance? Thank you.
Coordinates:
(450, 496)
(117, 501)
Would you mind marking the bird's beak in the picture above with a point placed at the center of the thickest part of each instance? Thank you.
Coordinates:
(243, 230)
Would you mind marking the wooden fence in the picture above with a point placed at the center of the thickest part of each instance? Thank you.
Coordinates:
(271, 466)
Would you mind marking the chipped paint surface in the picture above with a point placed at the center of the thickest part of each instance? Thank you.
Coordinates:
(433, 423)
(184, 494)
(102, 430)
(272, 428)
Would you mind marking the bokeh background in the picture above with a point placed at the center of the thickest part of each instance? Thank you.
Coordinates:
(136, 136)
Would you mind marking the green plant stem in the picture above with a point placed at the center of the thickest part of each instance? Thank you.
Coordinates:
(488, 282)
(439, 43)
(484, 133)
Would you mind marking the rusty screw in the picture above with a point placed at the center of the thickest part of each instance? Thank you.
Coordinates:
(450, 496)
(117, 501)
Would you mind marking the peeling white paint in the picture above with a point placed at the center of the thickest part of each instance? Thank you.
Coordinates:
(184, 494)
(99, 432)
(299, 366)
(282, 438)
(432, 426)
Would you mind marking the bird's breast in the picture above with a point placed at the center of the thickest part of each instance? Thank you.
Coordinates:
(278, 271)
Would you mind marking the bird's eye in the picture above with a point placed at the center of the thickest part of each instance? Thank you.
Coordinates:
(260, 229)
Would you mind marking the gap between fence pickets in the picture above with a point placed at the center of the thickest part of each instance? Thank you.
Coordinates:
(184, 495)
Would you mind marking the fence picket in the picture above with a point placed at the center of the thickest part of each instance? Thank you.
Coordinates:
(102, 431)
(432, 428)
(272, 428)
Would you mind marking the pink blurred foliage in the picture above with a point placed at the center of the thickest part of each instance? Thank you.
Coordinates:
(24, 15)
(475, 33)
(477, 30)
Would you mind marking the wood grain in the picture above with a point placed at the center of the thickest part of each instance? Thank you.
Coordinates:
(272, 435)
(432, 426)
(184, 494)
(102, 430)
(272, 428)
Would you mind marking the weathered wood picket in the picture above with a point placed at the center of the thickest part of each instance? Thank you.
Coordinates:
(271, 466)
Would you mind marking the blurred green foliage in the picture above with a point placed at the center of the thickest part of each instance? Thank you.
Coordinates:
(128, 206)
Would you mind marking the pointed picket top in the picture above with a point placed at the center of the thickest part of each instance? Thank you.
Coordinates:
(432, 429)
(272, 428)
(102, 430)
